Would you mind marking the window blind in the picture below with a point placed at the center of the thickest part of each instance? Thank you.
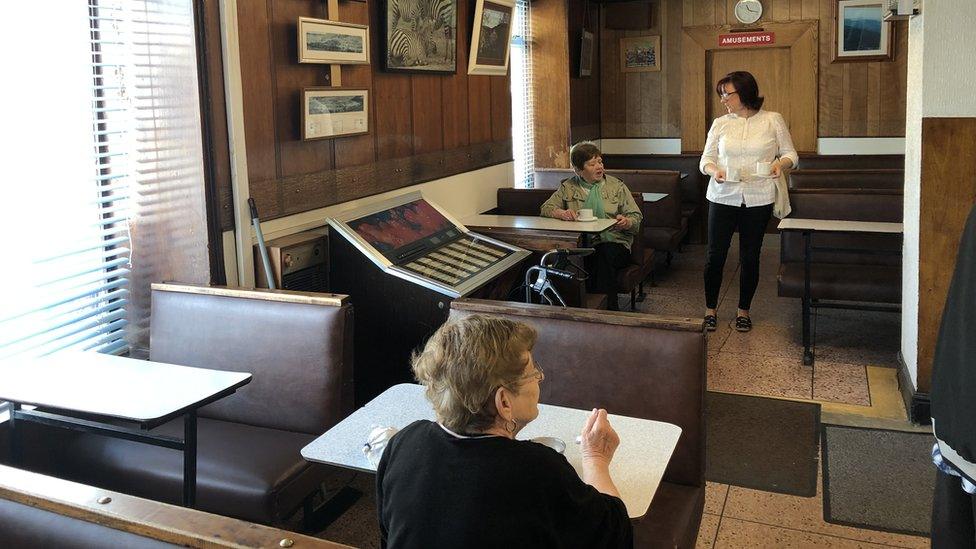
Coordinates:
(67, 285)
(523, 145)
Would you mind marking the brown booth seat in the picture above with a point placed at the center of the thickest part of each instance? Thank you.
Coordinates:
(298, 346)
(846, 276)
(851, 161)
(630, 279)
(42, 511)
(657, 372)
(847, 179)
(664, 225)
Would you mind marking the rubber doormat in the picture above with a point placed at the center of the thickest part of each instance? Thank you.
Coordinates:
(762, 443)
(878, 479)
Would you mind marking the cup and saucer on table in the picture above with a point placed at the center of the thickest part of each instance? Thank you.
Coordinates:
(585, 214)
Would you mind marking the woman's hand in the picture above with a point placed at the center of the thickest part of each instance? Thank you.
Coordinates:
(598, 441)
(775, 168)
(623, 223)
(719, 175)
(565, 215)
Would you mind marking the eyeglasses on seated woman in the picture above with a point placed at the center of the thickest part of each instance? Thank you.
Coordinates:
(465, 481)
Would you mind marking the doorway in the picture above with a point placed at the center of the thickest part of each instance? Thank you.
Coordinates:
(770, 66)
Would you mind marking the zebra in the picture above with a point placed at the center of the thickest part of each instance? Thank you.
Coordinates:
(412, 29)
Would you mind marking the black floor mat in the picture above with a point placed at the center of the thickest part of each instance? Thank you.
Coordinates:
(878, 479)
(762, 443)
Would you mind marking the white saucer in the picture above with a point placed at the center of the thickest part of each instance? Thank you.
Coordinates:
(731, 181)
(770, 176)
(594, 218)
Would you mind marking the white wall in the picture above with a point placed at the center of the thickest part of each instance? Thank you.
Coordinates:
(461, 195)
(941, 80)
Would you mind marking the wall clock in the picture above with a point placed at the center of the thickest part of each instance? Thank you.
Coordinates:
(748, 11)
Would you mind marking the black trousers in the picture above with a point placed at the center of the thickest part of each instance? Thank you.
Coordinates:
(602, 266)
(723, 221)
(953, 515)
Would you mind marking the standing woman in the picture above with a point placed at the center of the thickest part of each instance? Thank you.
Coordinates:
(739, 197)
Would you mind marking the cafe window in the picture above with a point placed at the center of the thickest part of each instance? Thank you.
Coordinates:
(523, 145)
(65, 280)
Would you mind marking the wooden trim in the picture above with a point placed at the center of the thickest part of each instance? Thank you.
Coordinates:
(802, 39)
(282, 296)
(637, 320)
(917, 404)
(143, 517)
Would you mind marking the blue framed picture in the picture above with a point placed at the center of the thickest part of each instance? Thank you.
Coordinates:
(861, 33)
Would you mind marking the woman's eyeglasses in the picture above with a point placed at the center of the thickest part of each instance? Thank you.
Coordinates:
(723, 95)
(538, 374)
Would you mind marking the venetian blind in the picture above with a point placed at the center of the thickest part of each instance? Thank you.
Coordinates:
(67, 283)
(523, 146)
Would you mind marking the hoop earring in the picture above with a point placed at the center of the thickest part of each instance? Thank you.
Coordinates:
(513, 427)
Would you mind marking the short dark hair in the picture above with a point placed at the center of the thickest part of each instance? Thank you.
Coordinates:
(745, 85)
(583, 152)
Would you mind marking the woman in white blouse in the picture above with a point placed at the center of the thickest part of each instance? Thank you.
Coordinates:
(744, 154)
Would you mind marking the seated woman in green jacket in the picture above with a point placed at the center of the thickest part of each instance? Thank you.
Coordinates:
(609, 198)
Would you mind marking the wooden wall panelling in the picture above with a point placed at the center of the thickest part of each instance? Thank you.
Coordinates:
(426, 110)
(501, 108)
(613, 111)
(550, 83)
(693, 124)
(454, 90)
(894, 82)
(258, 100)
(215, 109)
(671, 23)
(584, 93)
(393, 120)
(295, 156)
(804, 83)
(358, 149)
(948, 192)
(479, 108)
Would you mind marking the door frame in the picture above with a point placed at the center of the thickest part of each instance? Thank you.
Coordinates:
(802, 37)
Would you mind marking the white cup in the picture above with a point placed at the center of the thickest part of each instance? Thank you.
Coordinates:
(585, 213)
(764, 168)
(731, 173)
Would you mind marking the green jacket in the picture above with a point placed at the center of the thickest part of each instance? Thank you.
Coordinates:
(616, 200)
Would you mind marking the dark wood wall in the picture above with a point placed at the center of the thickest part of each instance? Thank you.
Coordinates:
(421, 127)
(855, 99)
(584, 92)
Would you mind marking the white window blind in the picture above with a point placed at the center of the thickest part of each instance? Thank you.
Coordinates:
(65, 283)
(523, 145)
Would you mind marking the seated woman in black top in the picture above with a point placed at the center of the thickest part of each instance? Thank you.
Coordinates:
(466, 482)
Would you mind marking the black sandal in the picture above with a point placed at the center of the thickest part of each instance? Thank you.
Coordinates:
(743, 324)
(711, 323)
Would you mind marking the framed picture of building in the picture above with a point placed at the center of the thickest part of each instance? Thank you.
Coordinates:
(586, 54)
(640, 54)
(321, 41)
(334, 112)
(420, 36)
(860, 32)
(491, 37)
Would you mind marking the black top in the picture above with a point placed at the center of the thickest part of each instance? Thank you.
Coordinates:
(437, 490)
(954, 366)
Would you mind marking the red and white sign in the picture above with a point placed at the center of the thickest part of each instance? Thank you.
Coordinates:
(740, 39)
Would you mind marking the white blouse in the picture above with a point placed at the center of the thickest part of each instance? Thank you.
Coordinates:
(740, 143)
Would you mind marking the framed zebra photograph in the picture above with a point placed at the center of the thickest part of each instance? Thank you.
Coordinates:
(491, 38)
(420, 36)
(322, 41)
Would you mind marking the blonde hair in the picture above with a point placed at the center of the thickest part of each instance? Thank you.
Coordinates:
(465, 362)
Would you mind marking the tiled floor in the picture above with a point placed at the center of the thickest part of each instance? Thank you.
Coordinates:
(853, 377)
(852, 348)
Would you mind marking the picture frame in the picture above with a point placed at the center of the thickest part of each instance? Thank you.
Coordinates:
(586, 54)
(491, 38)
(334, 112)
(331, 42)
(640, 54)
(419, 36)
(860, 32)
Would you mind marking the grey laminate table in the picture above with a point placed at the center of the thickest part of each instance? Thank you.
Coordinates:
(105, 388)
(637, 467)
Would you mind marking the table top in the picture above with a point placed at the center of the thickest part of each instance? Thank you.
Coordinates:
(114, 386)
(653, 197)
(637, 467)
(839, 225)
(536, 222)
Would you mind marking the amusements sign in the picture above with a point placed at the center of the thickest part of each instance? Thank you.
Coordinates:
(742, 39)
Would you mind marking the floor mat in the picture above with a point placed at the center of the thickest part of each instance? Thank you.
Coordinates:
(762, 443)
(878, 479)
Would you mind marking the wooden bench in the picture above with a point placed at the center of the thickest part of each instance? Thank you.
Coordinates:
(657, 372)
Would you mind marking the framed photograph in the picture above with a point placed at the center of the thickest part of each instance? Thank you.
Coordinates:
(493, 20)
(321, 41)
(420, 36)
(334, 112)
(586, 54)
(640, 54)
(860, 32)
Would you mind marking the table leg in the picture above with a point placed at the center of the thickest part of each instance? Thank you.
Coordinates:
(15, 457)
(190, 459)
(807, 352)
